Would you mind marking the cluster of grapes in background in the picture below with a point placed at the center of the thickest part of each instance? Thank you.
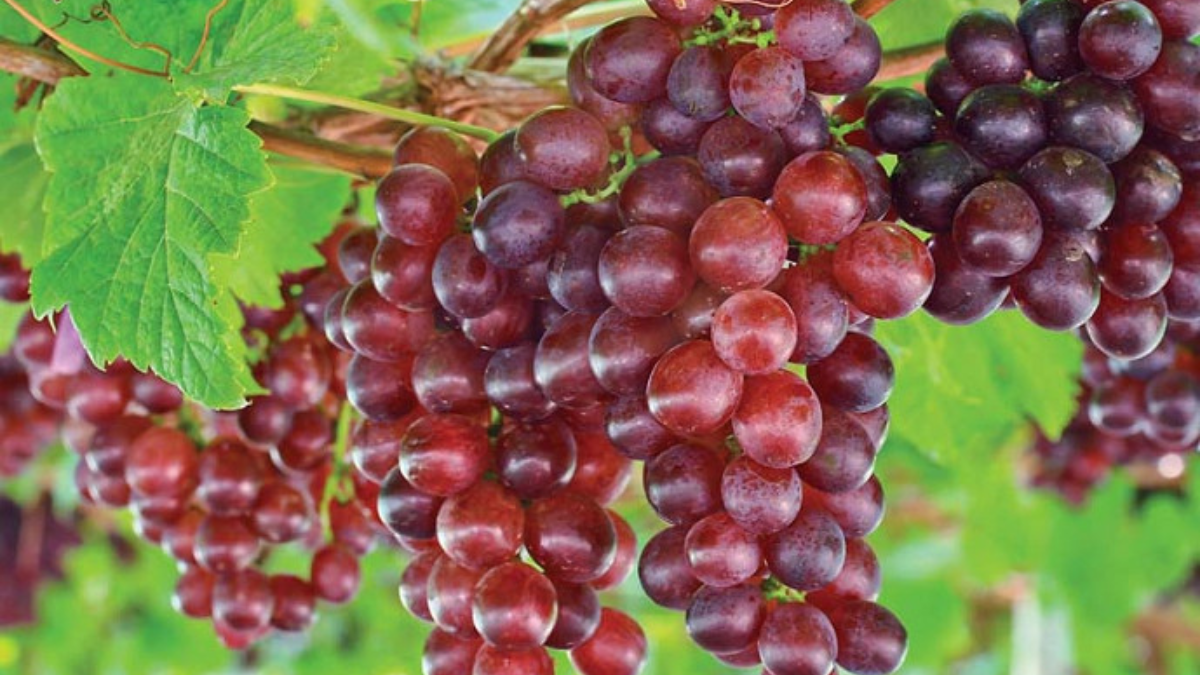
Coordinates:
(1141, 412)
(27, 427)
(1048, 158)
(218, 492)
(682, 270)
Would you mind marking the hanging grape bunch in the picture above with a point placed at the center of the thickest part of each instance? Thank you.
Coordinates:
(1051, 160)
(644, 305)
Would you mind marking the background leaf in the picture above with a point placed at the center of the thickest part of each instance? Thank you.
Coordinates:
(10, 317)
(962, 389)
(286, 222)
(352, 69)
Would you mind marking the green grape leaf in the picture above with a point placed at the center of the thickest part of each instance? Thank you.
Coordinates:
(1036, 371)
(933, 611)
(961, 390)
(144, 188)
(1106, 559)
(174, 26)
(22, 188)
(286, 222)
(1007, 528)
(14, 27)
(258, 41)
(8, 103)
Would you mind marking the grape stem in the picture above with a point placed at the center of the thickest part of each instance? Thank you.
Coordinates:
(772, 589)
(629, 161)
(733, 30)
(336, 486)
(387, 111)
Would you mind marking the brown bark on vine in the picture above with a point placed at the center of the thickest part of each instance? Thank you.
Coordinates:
(910, 61)
(504, 46)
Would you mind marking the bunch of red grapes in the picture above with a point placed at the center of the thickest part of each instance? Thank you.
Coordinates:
(512, 356)
(1145, 411)
(27, 427)
(474, 464)
(218, 492)
(1050, 159)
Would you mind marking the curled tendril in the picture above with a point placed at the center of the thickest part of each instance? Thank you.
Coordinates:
(68, 44)
(208, 22)
(103, 12)
(68, 17)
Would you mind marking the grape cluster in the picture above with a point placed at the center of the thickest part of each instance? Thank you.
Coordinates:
(474, 464)
(1050, 158)
(1144, 411)
(27, 427)
(217, 491)
(637, 278)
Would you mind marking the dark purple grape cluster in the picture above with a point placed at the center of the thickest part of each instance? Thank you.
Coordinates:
(1143, 412)
(1051, 158)
(216, 491)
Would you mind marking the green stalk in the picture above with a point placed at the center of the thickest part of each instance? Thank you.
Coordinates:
(337, 486)
(370, 107)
